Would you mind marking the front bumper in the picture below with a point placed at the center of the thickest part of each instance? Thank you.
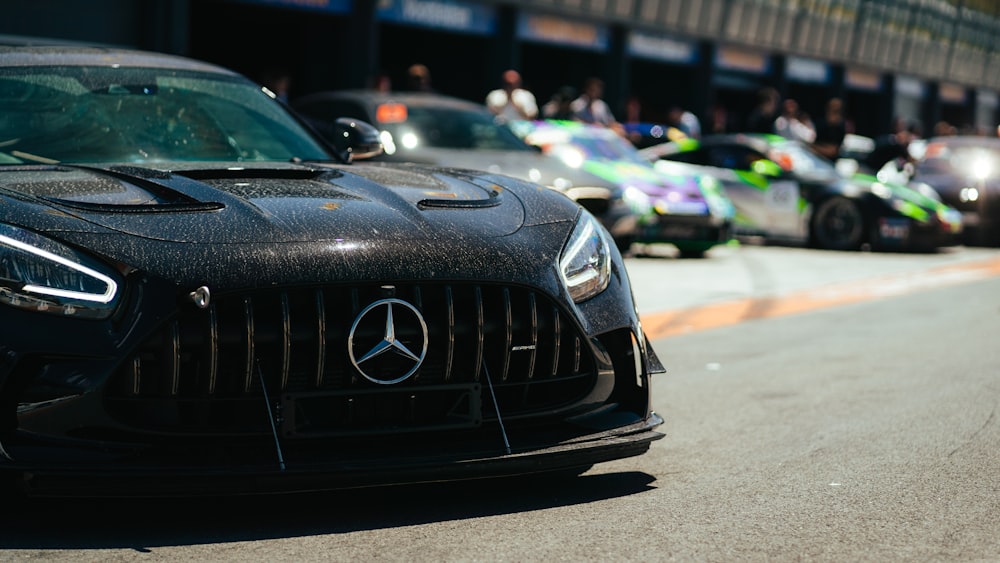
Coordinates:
(899, 233)
(285, 474)
(684, 229)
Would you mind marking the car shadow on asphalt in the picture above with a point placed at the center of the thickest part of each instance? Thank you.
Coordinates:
(142, 524)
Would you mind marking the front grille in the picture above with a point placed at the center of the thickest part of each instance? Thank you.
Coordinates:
(208, 371)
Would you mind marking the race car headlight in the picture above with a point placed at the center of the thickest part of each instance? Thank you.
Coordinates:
(39, 274)
(586, 260)
(637, 200)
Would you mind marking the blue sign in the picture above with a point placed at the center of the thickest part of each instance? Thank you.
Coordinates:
(662, 48)
(328, 6)
(449, 15)
(800, 69)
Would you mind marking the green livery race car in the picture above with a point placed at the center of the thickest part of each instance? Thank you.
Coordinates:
(786, 193)
(680, 207)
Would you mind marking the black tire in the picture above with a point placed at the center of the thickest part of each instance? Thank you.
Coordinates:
(838, 224)
(691, 253)
(624, 244)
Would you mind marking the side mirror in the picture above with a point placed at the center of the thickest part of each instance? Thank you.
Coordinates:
(353, 139)
(356, 139)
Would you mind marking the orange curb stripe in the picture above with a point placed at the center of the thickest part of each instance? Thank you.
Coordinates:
(684, 321)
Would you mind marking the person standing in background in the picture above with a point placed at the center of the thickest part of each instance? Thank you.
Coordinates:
(761, 119)
(793, 123)
(719, 116)
(418, 78)
(383, 83)
(831, 129)
(558, 107)
(511, 101)
(685, 121)
(590, 106)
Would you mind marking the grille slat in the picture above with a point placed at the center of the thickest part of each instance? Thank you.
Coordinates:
(135, 371)
(480, 338)
(450, 312)
(250, 344)
(508, 324)
(212, 349)
(533, 352)
(205, 368)
(174, 354)
(557, 345)
(286, 340)
(320, 337)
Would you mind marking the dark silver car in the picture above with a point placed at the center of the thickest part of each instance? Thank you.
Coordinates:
(965, 172)
(431, 128)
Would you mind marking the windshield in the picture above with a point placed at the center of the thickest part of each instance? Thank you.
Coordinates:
(135, 115)
(451, 128)
(804, 161)
(610, 146)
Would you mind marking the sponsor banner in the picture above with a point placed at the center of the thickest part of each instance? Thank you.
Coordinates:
(448, 15)
(863, 79)
(951, 93)
(662, 48)
(329, 6)
(810, 71)
(742, 59)
(560, 31)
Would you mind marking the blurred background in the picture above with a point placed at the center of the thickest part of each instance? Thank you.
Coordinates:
(922, 61)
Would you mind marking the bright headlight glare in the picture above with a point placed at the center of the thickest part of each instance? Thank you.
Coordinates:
(586, 261)
(573, 158)
(982, 168)
(41, 275)
(388, 143)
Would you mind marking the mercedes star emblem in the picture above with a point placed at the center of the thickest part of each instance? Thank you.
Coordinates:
(388, 341)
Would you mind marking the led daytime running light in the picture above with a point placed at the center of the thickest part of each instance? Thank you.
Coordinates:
(106, 297)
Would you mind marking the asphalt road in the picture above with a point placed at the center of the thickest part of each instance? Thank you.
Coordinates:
(860, 426)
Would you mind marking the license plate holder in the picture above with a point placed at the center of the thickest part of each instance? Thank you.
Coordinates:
(380, 410)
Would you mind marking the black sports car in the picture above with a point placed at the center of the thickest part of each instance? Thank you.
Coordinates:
(199, 296)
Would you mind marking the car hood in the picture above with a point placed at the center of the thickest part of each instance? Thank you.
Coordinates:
(230, 227)
(272, 204)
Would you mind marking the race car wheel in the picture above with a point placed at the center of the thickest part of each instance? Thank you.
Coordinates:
(692, 250)
(624, 243)
(838, 224)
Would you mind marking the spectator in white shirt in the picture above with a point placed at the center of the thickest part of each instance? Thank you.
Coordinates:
(511, 101)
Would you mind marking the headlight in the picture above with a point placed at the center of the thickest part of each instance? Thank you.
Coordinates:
(637, 200)
(982, 168)
(586, 261)
(39, 274)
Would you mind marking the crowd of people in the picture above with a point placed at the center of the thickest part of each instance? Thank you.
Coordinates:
(786, 118)
(771, 114)
(512, 101)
